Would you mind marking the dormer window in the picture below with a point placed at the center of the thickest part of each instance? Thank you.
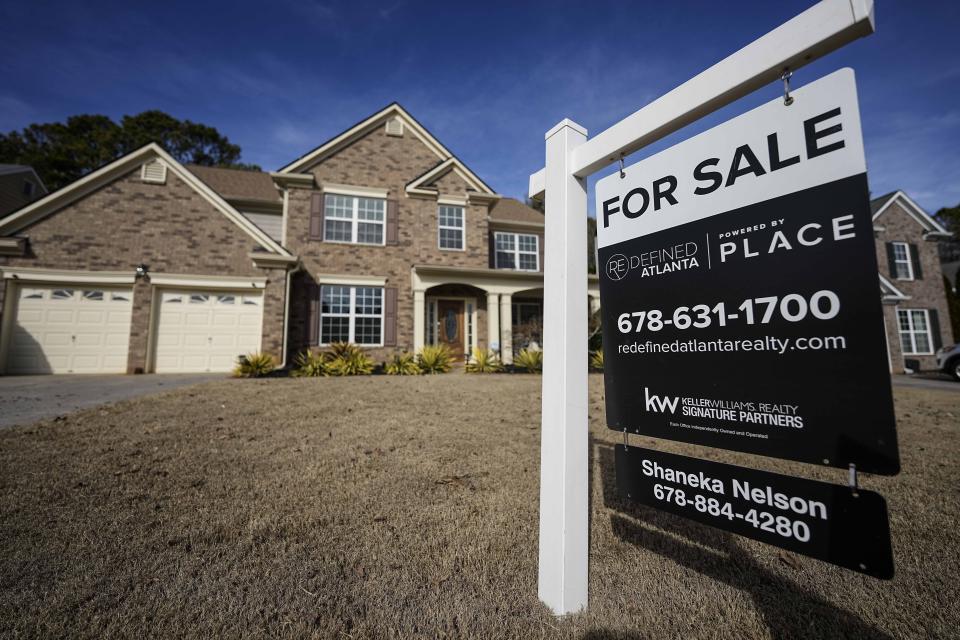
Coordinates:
(154, 172)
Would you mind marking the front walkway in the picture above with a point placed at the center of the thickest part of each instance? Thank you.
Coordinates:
(26, 399)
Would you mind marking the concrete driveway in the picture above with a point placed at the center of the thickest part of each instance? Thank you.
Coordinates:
(26, 399)
(927, 381)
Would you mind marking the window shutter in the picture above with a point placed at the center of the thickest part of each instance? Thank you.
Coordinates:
(313, 314)
(390, 317)
(935, 330)
(891, 262)
(393, 233)
(316, 216)
(915, 258)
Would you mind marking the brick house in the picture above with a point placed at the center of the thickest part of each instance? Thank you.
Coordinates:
(915, 308)
(380, 236)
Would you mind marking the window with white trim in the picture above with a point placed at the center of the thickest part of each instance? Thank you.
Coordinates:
(519, 251)
(451, 227)
(902, 263)
(354, 219)
(915, 337)
(351, 314)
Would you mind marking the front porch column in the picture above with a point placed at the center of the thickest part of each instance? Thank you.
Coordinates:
(493, 321)
(419, 309)
(506, 328)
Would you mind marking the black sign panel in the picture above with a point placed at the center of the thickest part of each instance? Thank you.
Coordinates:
(837, 524)
(757, 328)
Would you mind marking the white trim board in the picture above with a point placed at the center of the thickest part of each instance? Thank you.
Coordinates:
(450, 164)
(29, 274)
(351, 280)
(352, 190)
(207, 281)
(889, 291)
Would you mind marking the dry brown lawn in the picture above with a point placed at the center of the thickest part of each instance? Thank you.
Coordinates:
(407, 507)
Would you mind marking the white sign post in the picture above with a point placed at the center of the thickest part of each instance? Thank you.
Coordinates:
(570, 159)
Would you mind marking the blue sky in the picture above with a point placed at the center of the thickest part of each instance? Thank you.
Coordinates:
(488, 79)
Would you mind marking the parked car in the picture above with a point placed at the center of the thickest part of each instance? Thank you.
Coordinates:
(948, 360)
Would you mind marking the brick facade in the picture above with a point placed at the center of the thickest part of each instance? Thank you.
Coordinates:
(168, 227)
(895, 224)
(381, 161)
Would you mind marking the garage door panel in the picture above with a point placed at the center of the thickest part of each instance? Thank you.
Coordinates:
(195, 340)
(64, 329)
(224, 342)
(206, 330)
(30, 315)
(53, 338)
(64, 316)
(91, 316)
(90, 340)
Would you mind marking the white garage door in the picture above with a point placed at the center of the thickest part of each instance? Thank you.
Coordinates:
(67, 329)
(206, 330)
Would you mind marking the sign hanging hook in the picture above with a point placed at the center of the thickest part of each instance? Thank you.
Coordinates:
(785, 76)
(852, 478)
(622, 174)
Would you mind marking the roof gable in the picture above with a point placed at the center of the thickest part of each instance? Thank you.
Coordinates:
(14, 169)
(364, 127)
(57, 200)
(422, 184)
(889, 292)
(879, 205)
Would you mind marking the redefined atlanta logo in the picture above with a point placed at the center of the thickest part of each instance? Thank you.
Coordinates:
(654, 263)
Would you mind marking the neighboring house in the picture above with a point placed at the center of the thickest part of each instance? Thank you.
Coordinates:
(379, 236)
(916, 313)
(19, 185)
(950, 271)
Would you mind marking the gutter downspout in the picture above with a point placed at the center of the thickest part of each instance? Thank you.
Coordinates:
(286, 313)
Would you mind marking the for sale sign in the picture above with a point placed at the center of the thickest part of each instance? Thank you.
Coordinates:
(845, 526)
(740, 293)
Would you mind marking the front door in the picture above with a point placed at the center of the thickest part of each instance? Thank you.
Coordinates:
(450, 333)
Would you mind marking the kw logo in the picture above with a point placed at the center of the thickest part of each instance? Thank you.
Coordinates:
(656, 404)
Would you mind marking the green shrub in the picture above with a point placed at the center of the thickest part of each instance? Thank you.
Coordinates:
(344, 350)
(254, 365)
(312, 365)
(402, 364)
(484, 362)
(434, 358)
(351, 362)
(529, 360)
(596, 360)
